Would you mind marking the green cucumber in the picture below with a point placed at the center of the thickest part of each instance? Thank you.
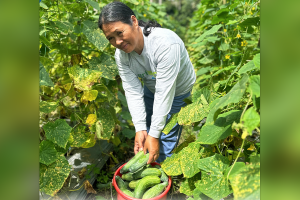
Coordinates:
(155, 190)
(127, 192)
(123, 186)
(164, 177)
(137, 156)
(141, 162)
(143, 184)
(133, 184)
(146, 172)
(128, 176)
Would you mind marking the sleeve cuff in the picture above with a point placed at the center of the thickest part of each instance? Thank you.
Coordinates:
(140, 127)
(154, 133)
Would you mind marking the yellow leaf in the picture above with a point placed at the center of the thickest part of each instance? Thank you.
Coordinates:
(92, 118)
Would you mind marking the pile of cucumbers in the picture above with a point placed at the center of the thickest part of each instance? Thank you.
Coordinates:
(142, 181)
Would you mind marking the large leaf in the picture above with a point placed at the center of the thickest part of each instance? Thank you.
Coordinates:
(206, 60)
(256, 60)
(106, 65)
(188, 185)
(203, 70)
(79, 136)
(63, 26)
(128, 133)
(107, 122)
(44, 77)
(254, 85)
(58, 132)
(192, 113)
(224, 47)
(251, 120)
(246, 182)
(170, 124)
(53, 177)
(122, 98)
(233, 96)
(210, 134)
(189, 157)
(172, 165)
(83, 78)
(89, 95)
(250, 21)
(214, 182)
(95, 35)
(205, 91)
(93, 4)
(211, 31)
(48, 153)
(91, 119)
(247, 67)
(47, 107)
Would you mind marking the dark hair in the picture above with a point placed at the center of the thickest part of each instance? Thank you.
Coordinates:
(117, 11)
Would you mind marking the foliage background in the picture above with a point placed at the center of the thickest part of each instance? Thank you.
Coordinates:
(19, 116)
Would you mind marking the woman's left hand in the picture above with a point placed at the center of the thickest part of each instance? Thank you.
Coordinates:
(152, 145)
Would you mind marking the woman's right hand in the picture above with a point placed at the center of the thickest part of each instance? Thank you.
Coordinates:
(139, 141)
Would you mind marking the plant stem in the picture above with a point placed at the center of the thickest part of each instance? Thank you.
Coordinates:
(218, 149)
(236, 158)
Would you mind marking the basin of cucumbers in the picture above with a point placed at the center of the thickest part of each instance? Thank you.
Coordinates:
(142, 181)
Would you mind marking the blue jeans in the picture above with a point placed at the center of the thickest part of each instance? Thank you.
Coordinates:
(166, 142)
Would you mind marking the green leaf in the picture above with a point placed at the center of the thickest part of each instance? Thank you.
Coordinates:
(233, 96)
(188, 185)
(104, 64)
(213, 39)
(192, 113)
(197, 193)
(203, 70)
(210, 134)
(172, 122)
(214, 185)
(93, 4)
(53, 177)
(58, 132)
(107, 122)
(48, 153)
(246, 182)
(126, 115)
(236, 168)
(128, 133)
(83, 78)
(79, 136)
(247, 67)
(63, 26)
(186, 142)
(254, 85)
(45, 41)
(189, 157)
(231, 22)
(171, 165)
(223, 47)
(135, 2)
(205, 91)
(95, 35)
(256, 60)
(47, 107)
(44, 77)
(122, 98)
(251, 120)
(211, 31)
(206, 60)
(43, 5)
(250, 21)
(115, 140)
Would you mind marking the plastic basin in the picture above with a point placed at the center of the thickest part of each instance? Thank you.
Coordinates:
(122, 196)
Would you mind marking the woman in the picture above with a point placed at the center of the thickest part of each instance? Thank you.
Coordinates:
(157, 56)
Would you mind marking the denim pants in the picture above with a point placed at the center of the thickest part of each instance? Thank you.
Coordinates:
(166, 142)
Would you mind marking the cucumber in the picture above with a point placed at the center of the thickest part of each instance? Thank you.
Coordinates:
(128, 176)
(133, 184)
(146, 172)
(155, 190)
(137, 156)
(141, 162)
(164, 177)
(123, 186)
(143, 184)
(103, 186)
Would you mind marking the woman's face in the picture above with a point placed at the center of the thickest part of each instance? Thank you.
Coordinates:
(123, 36)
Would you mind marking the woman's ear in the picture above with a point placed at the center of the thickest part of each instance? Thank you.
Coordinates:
(135, 22)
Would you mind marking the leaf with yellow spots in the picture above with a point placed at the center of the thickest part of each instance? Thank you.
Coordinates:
(171, 165)
(53, 177)
(84, 79)
(170, 124)
(58, 132)
(47, 107)
(187, 141)
(79, 136)
(192, 113)
(91, 119)
(48, 153)
(214, 182)
(251, 120)
(99, 129)
(107, 122)
(246, 182)
(89, 95)
(188, 185)
(189, 157)
(104, 64)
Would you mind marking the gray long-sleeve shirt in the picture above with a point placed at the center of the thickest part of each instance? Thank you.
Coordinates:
(166, 70)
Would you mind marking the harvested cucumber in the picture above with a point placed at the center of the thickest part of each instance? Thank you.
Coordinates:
(143, 184)
(125, 168)
(133, 184)
(146, 172)
(164, 177)
(155, 190)
(141, 162)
